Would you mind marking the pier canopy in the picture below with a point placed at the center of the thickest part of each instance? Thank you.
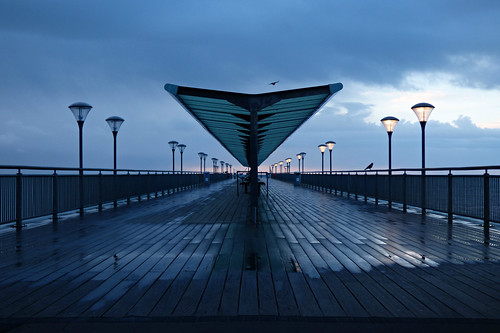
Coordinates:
(252, 126)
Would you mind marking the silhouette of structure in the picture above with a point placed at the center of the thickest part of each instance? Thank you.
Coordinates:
(252, 126)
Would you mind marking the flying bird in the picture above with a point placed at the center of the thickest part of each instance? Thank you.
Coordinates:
(370, 166)
(274, 83)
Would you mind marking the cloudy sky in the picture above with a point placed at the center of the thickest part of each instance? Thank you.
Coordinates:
(117, 55)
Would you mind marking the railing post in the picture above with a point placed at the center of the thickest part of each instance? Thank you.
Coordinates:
(139, 190)
(376, 187)
(128, 188)
(450, 197)
(147, 185)
(356, 182)
(366, 189)
(348, 184)
(341, 185)
(156, 189)
(115, 189)
(486, 209)
(390, 188)
(162, 184)
(100, 191)
(81, 191)
(405, 206)
(424, 183)
(19, 200)
(54, 196)
(168, 183)
(330, 182)
(336, 182)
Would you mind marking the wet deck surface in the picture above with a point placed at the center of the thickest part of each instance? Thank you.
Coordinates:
(193, 256)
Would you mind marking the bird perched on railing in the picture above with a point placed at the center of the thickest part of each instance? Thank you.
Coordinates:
(370, 166)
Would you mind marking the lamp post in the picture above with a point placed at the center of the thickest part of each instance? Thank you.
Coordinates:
(214, 164)
(423, 111)
(275, 168)
(80, 111)
(181, 150)
(330, 145)
(205, 162)
(172, 145)
(114, 124)
(389, 124)
(221, 166)
(299, 156)
(303, 158)
(281, 166)
(322, 149)
(200, 154)
(288, 160)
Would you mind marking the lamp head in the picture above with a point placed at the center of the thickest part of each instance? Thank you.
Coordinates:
(200, 154)
(322, 148)
(173, 144)
(330, 144)
(299, 156)
(422, 111)
(80, 110)
(115, 123)
(181, 147)
(389, 123)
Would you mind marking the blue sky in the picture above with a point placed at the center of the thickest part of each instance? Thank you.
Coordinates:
(117, 55)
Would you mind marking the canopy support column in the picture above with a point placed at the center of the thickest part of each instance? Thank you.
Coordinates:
(253, 163)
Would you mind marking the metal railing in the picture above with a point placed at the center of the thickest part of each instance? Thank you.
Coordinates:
(466, 191)
(28, 192)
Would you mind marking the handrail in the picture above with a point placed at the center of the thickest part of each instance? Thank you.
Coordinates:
(470, 168)
(473, 194)
(33, 191)
(48, 168)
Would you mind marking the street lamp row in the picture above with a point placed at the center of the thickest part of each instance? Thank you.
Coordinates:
(422, 111)
(222, 165)
(81, 110)
(322, 149)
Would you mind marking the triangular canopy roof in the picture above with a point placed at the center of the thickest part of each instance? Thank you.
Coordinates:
(227, 115)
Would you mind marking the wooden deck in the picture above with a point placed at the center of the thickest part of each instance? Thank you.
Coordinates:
(313, 255)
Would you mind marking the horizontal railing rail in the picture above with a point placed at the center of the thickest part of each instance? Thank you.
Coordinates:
(466, 191)
(33, 191)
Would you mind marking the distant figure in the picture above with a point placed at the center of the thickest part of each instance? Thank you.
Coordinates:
(370, 166)
(274, 83)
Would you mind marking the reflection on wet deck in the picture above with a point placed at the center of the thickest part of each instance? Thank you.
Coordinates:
(194, 254)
